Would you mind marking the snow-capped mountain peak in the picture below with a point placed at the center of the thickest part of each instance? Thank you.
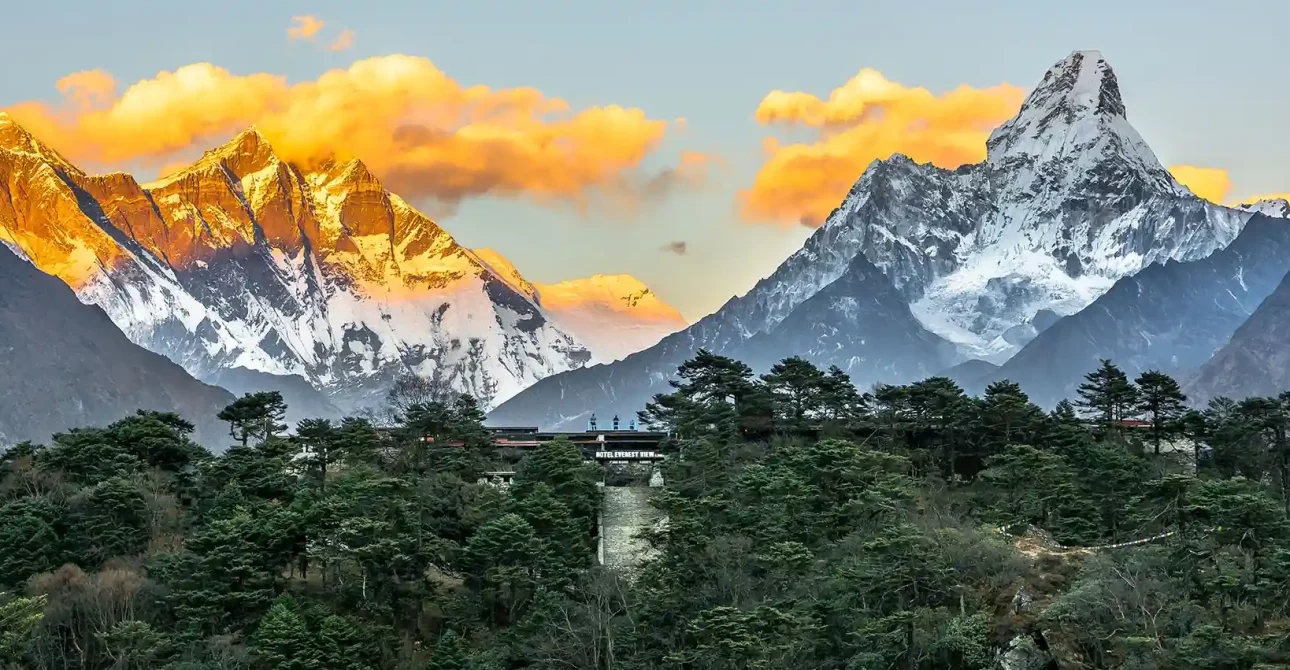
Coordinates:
(245, 260)
(15, 139)
(507, 271)
(1071, 125)
(1069, 200)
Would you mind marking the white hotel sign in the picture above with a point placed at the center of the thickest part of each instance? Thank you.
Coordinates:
(628, 455)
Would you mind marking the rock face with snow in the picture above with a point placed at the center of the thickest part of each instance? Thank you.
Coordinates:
(64, 365)
(1275, 207)
(1069, 200)
(244, 260)
(861, 324)
(612, 315)
(1170, 317)
(1256, 360)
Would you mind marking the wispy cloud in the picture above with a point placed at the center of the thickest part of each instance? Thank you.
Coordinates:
(304, 27)
(344, 41)
(678, 247)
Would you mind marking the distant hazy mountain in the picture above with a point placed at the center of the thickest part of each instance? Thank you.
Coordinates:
(303, 400)
(1069, 200)
(971, 374)
(1171, 317)
(612, 315)
(64, 365)
(1256, 360)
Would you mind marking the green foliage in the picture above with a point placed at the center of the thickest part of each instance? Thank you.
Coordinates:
(808, 525)
(19, 617)
(255, 416)
(106, 520)
(30, 541)
(1161, 402)
(1107, 395)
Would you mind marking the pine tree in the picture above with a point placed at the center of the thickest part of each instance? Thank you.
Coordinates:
(255, 415)
(939, 410)
(1007, 417)
(840, 401)
(796, 388)
(1107, 395)
(1065, 430)
(316, 439)
(1161, 401)
(340, 643)
(714, 395)
(281, 641)
(108, 520)
(448, 654)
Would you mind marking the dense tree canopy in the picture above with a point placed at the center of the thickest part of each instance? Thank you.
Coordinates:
(809, 524)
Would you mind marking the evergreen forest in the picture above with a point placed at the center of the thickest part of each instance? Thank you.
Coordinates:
(807, 524)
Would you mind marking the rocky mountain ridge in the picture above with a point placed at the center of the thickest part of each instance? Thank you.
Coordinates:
(246, 261)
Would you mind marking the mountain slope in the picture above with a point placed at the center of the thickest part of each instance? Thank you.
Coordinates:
(970, 373)
(1256, 360)
(859, 323)
(1068, 201)
(64, 365)
(1170, 316)
(303, 400)
(243, 260)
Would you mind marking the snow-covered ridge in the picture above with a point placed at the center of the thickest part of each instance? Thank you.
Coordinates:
(1274, 207)
(245, 260)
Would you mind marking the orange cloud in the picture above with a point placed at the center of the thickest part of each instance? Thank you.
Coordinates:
(424, 133)
(1268, 196)
(304, 27)
(867, 118)
(1212, 184)
(1215, 184)
(87, 88)
(343, 42)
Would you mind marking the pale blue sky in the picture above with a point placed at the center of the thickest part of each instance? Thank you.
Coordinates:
(1205, 83)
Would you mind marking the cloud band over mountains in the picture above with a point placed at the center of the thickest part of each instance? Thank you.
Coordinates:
(420, 130)
(428, 136)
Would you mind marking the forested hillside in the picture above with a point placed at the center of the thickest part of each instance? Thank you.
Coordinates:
(809, 525)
